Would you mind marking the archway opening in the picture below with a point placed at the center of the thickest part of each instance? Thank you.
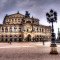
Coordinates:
(28, 38)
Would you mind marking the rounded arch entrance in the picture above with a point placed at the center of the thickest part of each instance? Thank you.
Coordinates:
(20, 38)
(28, 39)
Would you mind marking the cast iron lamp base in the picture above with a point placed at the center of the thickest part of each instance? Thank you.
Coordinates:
(53, 49)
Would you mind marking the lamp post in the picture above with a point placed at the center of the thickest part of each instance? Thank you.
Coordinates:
(51, 18)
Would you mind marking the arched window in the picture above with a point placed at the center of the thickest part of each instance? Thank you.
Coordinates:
(15, 36)
(27, 30)
(28, 21)
(6, 36)
(2, 29)
(10, 29)
(10, 35)
(19, 29)
(15, 28)
(15, 20)
(6, 29)
(42, 30)
(37, 29)
(19, 35)
(37, 36)
(33, 29)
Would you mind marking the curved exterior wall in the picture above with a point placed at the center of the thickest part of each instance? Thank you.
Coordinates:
(17, 27)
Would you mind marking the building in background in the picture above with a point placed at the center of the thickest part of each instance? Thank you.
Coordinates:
(17, 27)
(58, 38)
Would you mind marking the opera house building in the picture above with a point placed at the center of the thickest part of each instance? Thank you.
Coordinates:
(21, 28)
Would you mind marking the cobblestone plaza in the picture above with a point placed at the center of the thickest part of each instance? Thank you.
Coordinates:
(27, 51)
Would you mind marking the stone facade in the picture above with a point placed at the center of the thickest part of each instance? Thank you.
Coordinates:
(17, 27)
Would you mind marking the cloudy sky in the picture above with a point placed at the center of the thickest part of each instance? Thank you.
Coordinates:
(37, 8)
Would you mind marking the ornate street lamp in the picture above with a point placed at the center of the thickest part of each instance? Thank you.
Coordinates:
(51, 18)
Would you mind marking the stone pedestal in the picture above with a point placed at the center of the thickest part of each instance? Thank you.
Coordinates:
(53, 49)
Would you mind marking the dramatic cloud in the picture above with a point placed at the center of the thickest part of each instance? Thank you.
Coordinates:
(37, 8)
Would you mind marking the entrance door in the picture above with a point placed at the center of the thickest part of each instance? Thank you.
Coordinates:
(29, 38)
